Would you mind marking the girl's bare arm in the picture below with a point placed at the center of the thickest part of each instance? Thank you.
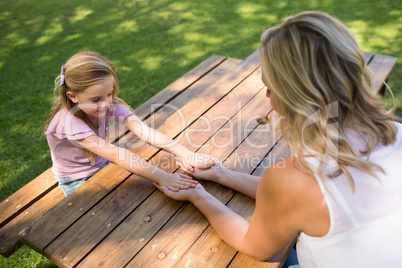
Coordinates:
(131, 162)
(187, 158)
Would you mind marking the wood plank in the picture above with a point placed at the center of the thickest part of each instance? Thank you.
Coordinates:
(177, 87)
(195, 89)
(154, 161)
(171, 242)
(278, 153)
(213, 249)
(133, 239)
(58, 258)
(9, 238)
(190, 224)
(209, 97)
(102, 219)
(240, 95)
(31, 238)
(225, 116)
(171, 250)
(44, 230)
(156, 119)
(182, 116)
(173, 90)
(381, 66)
(170, 92)
(244, 159)
(26, 196)
(133, 233)
(368, 56)
(91, 229)
(39, 187)
(200, 71)
(203, 101)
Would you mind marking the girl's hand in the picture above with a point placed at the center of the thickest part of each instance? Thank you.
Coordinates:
(214, 173)
(182, 195)
(177, 181)
(190, 161)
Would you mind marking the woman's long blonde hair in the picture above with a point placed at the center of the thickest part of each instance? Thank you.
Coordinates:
(322, 87)
(81, 71)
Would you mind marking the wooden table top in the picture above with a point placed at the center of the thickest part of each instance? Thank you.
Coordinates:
(119, 219)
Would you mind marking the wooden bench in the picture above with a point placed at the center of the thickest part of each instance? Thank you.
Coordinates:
(188, 92)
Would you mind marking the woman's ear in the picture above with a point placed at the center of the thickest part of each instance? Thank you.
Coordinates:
(72, 96)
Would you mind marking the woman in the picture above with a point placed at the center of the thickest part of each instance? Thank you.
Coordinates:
(340, 192)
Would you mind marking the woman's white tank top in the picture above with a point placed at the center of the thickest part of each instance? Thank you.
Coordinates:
(365, 225)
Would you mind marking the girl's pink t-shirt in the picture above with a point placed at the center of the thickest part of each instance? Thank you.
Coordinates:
(68, 157)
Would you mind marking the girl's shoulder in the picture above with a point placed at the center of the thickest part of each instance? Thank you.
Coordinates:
(120, 111)
(64, 125)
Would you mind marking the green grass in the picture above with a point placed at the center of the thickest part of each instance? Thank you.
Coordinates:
(152, 43)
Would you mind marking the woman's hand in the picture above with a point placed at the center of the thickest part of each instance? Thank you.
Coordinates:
(177, 181)
(214, 173)
(189, 161)
(183, 195)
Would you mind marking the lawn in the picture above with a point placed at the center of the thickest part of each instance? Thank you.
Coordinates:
(151, 43)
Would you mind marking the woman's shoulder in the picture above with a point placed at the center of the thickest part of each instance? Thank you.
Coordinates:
(296, 193)
(288, 174)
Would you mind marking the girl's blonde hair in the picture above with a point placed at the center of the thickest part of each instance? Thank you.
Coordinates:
(321, 85)
(81, 71)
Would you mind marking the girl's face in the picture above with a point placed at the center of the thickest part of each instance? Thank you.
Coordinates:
(96, 99)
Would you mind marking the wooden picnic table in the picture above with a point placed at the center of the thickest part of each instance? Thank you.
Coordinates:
(120, 219)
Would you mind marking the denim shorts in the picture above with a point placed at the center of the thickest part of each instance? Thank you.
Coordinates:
(68, 185)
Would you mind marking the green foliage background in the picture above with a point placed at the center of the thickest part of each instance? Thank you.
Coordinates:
(152, 43)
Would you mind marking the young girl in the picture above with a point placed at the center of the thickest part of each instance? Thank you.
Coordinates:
(77, 128)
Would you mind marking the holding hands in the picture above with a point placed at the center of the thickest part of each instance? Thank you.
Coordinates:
(211, 172)
(217, 172)
(176, 181)
(195, 164)
(190, 194)
(189, 161)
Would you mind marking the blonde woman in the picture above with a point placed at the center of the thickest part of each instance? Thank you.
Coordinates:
(340, 192)
(86, 98)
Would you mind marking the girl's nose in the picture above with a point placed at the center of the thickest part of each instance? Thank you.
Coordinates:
(105, 105)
